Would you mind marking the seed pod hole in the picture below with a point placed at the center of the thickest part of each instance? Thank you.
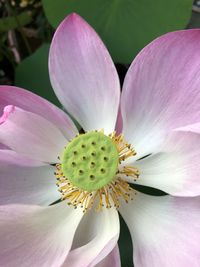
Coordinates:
(92, 177)
(102, 170)
(92, 164)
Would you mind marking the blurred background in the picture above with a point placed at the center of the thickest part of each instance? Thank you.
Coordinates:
(125, 26)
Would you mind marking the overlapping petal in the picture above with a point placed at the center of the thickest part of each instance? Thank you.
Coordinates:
(11, 95)
(26, 181)
(175, 167)
(161, 90)
(112, 260)
(36, 236)
(83, 75)
(31, 135)
(165, 230)
(96, 237)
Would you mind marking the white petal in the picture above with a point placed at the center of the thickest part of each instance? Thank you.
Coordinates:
(36, 236)
(25, 181)
(12, 95)
(83, 75)
(161, 90)
(165, 230)
(96, 236)
(175, 167)
(112, 260)
(31, 135)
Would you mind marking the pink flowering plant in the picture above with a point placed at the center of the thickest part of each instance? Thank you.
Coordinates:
(148, 135)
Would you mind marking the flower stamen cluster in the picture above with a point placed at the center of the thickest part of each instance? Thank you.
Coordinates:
(90, 171)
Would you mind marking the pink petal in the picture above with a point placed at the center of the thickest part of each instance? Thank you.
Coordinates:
(161, 89)
(96, 237)
(3, 146)
(36, 236)
(83, 75)
(175, 167)
(31, 135)
(11, 157)
(119, 123)
(6, 113)
(11, 95)
(26, 181)
(195, 128)
(112, 260)
(165, 230)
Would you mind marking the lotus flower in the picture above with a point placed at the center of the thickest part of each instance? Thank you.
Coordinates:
(148, 136)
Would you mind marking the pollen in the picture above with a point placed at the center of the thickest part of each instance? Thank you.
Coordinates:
(90, 172)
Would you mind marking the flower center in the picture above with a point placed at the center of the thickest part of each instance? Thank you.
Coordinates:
(91, 173)
(90, 161)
